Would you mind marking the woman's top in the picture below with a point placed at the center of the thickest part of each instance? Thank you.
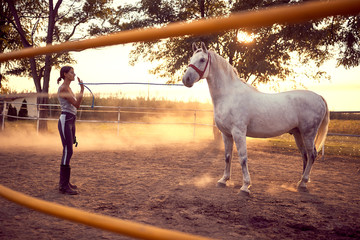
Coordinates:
(66, 106)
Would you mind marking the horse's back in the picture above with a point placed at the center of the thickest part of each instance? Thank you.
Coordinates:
(274, 114)
(299, 102)
(310, 107)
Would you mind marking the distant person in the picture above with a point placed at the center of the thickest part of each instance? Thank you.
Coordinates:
(69, 105)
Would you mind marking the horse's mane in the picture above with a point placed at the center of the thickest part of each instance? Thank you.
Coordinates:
(228, 67)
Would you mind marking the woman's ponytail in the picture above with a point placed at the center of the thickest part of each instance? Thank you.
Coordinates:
(58, 80)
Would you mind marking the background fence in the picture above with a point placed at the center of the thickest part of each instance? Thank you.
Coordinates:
(137, 115)
(307, 11)
(113, 115)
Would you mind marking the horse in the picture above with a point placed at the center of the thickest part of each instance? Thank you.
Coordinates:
(241, 111)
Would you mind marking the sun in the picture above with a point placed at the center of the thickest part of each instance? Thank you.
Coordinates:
(245, 37)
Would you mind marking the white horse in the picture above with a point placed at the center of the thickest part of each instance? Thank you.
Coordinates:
(240, 110)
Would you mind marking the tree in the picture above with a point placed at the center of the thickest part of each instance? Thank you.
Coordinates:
(8, 40)
(47, 22)
(266, 58)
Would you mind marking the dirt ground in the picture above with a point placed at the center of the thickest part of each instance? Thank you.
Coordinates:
(173, 186)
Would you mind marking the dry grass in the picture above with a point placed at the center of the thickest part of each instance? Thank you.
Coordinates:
(345, 126)
(336, 145)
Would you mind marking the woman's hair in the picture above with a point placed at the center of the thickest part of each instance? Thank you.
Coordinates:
(63, 70)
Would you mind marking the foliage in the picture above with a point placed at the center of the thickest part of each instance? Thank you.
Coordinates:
(35, 23)
(264, 59)
(8, 39)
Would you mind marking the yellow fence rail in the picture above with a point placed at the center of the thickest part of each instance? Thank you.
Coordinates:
(128, 228)
(294, 13)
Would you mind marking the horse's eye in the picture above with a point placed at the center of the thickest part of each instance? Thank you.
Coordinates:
(202, 60)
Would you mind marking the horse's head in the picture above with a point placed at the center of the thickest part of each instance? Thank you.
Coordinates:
(199, 65)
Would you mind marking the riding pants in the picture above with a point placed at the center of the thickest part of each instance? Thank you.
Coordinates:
(66, 128)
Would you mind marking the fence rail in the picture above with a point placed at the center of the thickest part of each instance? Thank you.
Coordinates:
(119, 110)
(136, 110)
(261, 18)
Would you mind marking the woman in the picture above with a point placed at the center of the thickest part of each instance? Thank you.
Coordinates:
(69, 105)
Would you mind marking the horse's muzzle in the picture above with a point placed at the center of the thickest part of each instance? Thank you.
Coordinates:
(187, 82)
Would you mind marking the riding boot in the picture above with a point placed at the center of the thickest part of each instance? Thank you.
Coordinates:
(72, 186)
(64, 180)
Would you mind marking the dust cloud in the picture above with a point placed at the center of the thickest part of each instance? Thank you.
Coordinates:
(199, 181)
(104, 136)
(203, 181)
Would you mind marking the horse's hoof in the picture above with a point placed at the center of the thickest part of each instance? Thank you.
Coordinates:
(221, 185)
(301, 187)
(244, 193)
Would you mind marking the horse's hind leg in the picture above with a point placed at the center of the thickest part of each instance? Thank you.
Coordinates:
(311, 155)
(229, 143)
(300, 144)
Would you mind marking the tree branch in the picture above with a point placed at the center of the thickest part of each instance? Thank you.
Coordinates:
(17, 24)
(33, 31)
(73, 30)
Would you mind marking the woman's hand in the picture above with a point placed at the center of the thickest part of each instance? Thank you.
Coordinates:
(81, 84)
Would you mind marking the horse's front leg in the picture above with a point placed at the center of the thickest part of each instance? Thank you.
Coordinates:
(229, 143)
(240, 141)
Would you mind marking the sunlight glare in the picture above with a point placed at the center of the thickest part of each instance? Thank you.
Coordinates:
(245, 37)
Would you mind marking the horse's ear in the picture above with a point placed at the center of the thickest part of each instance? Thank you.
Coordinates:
(194, 47)
(203, 47)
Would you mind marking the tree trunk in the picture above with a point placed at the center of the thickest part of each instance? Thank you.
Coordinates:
(1, 114)
(202, 8)
(44, 110)
(44, 113)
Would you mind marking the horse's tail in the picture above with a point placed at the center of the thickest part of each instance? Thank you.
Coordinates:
(323, 129)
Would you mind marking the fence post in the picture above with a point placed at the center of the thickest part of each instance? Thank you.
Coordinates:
(194, 123)
(80, 113)
(3, 117)
(118, 127)
(38, 117)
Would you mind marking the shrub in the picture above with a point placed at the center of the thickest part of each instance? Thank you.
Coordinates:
(11, 112)
(23, 110)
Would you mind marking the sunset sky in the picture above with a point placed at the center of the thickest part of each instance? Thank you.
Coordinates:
(110, 65)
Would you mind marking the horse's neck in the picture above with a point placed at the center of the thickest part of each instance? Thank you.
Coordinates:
(222, 80)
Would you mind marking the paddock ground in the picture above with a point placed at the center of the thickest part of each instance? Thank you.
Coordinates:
(172, 185)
